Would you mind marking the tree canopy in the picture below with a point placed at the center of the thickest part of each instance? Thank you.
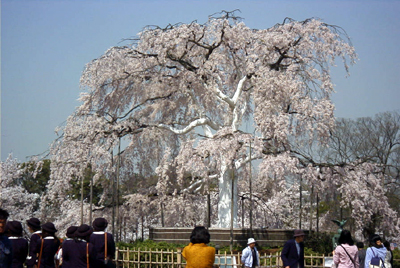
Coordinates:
(196, 104)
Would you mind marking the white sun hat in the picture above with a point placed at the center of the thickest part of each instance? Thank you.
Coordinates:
(250, 241)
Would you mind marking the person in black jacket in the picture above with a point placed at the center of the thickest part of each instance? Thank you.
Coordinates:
(68, 242)
(19, 244)
(293, 251)
(5, 244)
(34, 228)
(80, 253)
(47, 247)
(98, 239)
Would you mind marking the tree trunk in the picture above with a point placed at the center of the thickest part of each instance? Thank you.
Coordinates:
(225, 199)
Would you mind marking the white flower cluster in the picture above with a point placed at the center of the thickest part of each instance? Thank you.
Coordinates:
(195, 104)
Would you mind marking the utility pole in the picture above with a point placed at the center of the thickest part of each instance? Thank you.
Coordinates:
(232, 193)
(91, 196)
(89, 167)
(82, 199)
(311, 207)
(317, 213)
(113, 195)
(208, 209)
(251, 197)
(117, 191)
(301, 204)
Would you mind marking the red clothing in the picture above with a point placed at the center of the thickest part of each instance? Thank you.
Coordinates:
(342, 260)
(199, 256)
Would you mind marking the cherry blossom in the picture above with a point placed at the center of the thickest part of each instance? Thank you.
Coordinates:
(180, 100)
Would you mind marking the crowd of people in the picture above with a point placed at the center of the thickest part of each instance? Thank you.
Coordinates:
(350, 255)
(345, 255)
(84, 246)
(91, 246)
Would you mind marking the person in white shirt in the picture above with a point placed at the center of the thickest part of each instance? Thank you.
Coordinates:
(250, 257)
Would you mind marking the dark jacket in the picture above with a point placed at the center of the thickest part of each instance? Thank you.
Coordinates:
(69, 242)
(98, 241)
(74, 254)
(50, 248)
(31, 259)
(361, 257)
(289, 254)
(5, 251)
(20, 251)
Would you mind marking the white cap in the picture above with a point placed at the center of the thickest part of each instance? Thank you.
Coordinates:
(250, 241)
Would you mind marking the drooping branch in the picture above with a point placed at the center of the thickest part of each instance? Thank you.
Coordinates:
(190, 127)
(142, 103)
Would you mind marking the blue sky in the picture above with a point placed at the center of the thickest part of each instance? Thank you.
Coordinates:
(46, 44)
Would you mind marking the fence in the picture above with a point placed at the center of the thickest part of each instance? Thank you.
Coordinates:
(128, 258)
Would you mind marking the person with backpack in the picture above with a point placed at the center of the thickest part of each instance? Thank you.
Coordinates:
(345, 254)
(47, 247)
(80, 253)
(376, 253)
(103, 243)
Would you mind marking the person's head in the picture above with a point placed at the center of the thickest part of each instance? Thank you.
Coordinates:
(3, 220)
(251, 242)
(200, 235)
(33, 224)
(299, 236)
(71, 231)
(387, 245)
(14, 228)
(83, 232)
(345, 238)
(99, 224)
(376, 241)
(48, 229)
(360, 245)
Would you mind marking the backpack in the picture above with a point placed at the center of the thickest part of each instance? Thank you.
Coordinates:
(376, 261)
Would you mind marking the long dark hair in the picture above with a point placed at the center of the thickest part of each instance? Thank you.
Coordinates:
(4, 214)
(345, 238)
(373, 239)
(200, 235)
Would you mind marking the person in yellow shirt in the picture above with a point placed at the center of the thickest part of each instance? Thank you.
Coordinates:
(197, 254)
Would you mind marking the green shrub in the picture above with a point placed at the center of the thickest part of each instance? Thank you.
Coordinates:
(309, 252)
(396, 255)
(235, 248)
(150, 244)
(321, 243)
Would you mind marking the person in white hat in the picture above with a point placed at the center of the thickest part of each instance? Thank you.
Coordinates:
(250, 257)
